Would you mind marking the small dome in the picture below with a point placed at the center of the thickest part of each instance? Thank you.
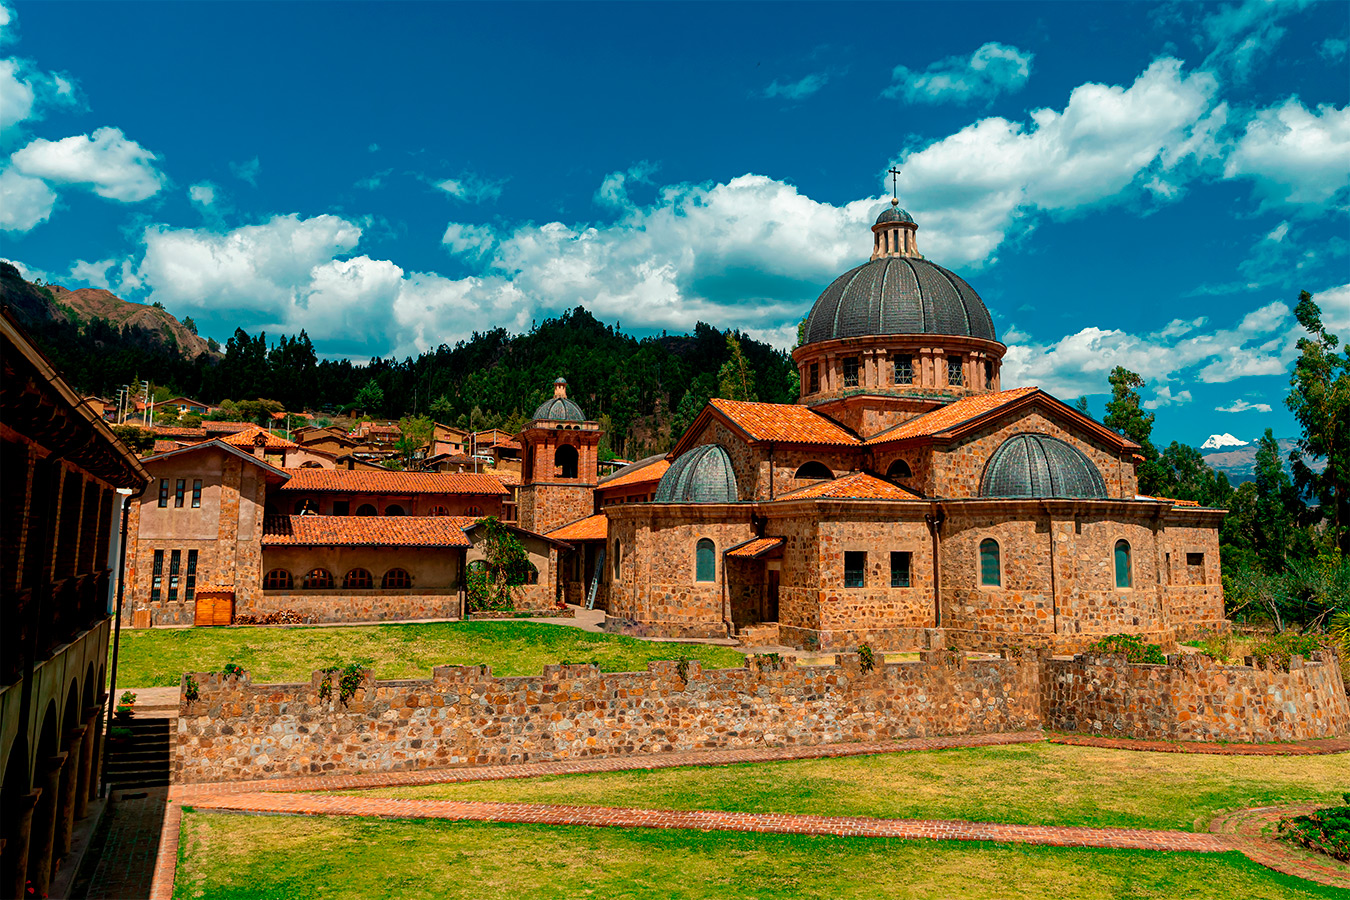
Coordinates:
(701, 475)
(1037, 465)
(894, 213)
(560, 409)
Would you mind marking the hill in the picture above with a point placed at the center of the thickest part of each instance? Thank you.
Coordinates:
(1239, 463)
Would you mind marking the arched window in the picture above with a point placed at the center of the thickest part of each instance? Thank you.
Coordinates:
(705, 561)
(990, 571)
(393, 509)
(311, 464)
(277, 580)
(397, 578)
(474, 511)
(367, 509)
(815, 470)
(565, 461)
(358, 579)
(1123, 577)
(899, 469)
(317, 580)
(439, 511)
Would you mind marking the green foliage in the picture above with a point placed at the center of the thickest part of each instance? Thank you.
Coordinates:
(1217, 645)
(505, 565)
(258, 411)
(127, 699)
(191, 420)
(189, 324)
(213, 345)
(1130, 646)
(415, 433)
(232, 670)
(1276, 651)
(1325, 830)
(1126, 416)
(867, 658)
(191, 690)
(140, 440)
(682, 668)
(350, 675)
(370, 398)
(735, 380)
(769, 662)
(119, 733)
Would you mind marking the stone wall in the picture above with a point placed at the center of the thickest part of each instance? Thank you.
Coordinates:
(237, 730)
(378, 605)
(1195, 699)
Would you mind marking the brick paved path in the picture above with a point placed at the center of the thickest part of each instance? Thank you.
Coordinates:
(1283, 748)
(1252, 831)
(126, 866)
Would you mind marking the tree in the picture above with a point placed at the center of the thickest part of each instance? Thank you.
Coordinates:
(735, 380)
(1319, 398)
(189, 324)
(370, 397)
(1081, 404)
(1273, 516)
(415, 434)
(442, 410)
(140, 440)
(1126, 417)
(258, 411)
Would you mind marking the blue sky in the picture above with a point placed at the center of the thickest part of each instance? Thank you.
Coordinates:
(1147, 185)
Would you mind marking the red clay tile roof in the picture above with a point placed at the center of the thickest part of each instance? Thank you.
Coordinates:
(226, 427)
(385, 482)
(756, 548)
(164, 446)
(783, 422)
(1170, 500)
(858, 486)
(249, 439)
(505, 476)
(641, 474)
(175, 432)
(367, 531)
(952, 414)
(591, 528)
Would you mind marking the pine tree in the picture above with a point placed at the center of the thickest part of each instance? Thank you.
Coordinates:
(1319, 398)
(735, 380)
(1126, 417)
(1273, 515)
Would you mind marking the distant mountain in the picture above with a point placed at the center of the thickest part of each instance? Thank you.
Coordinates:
(1222, 441)
(1239, 463)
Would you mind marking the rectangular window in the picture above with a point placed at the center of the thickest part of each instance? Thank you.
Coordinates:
(855, 568)
(851, 372)
(1195, 568)
(157, 576)
(899, 569)
(341, 507)
(178, 491)
(904, 370)
(163, 492)
(190, 583)
(815, 377)
(175, 559)
(196, 493)
(954, 377)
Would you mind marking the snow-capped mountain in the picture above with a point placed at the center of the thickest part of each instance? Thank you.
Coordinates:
(1222, 441)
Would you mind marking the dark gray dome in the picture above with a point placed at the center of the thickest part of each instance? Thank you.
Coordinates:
(561, 409)
(701, 475)
(898, 295)
(894, 213)
(1037, 465)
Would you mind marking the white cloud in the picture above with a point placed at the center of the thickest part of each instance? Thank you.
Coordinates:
(472, 240)
(25, 202)
(1244, 35)
(203, 194)
(94, 274)
(991, 70)
(27, 272)
(109, 164)
(471, 188)
(374, 181)
(1333, 49)
(972, 189)
(1238, 406)
(1295, 155)
(799, 89)
(247, 170)
(25, 92)
(1163, 396)
(613, 190)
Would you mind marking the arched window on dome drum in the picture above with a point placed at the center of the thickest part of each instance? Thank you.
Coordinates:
(851, 371)
(1123, 576)
(954, 375)
(317, 579)
(988, 375)
(397, 578)
(358, 579)
(565, 461)
(899, 469)
(814, 378)
(393, 509)
(366, 509)
(904, 368)
(990, 573)
(277, 580)
(814, 470)
(705, 561)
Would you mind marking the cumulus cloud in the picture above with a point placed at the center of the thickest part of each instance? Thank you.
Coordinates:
(28, 272)
(203, 194)
(94, 274)
(797, 90)
(1244, 35)
(26, 92)
(613, 190)
(1238, 406)
(106, 162)
(471, 240)
(991, 70)
(472, 188)
(25, 202)
(1163, 396)
(1296, 155)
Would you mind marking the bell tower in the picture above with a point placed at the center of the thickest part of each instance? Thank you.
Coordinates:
(560, 464)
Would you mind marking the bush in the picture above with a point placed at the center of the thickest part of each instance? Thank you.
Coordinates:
(1130, 646)
(1217, 645)
(1325, 830)
(867, 658)
(1279, 649)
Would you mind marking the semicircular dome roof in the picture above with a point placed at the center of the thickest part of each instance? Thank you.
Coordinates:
(701, 475)
(561, 409)
(894, 213)
(1037, 465)
(898, 295)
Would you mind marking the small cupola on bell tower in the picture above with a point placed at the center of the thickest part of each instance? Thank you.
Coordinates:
(894, 231)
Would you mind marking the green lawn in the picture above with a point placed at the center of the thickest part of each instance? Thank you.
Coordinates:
(233, 857)
(158, 657)
(1028, 784)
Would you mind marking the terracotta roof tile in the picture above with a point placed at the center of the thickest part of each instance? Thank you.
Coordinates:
(783, 422)
(951, 415)
(858, 486)
(249, 439)
(386, 482)
(367, 531)
(591, 528)
(177, 433)
(756, 548)
(164, 446)
(505, 476)
(639, 474)
(1171, 500)
(226, 427)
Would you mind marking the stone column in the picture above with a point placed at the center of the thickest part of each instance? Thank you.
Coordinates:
(86, 785)
(48, 782)
(70, 776)
(14, 859)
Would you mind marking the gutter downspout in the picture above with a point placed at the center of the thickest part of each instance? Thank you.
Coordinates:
(935, 520)
(117, 636)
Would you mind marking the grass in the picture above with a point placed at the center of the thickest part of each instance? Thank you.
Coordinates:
(233, 857)
(158, 657)
(1026, 784)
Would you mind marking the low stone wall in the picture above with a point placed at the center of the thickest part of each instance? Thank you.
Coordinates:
(374, 605)
(237, 730)
(1193, 698)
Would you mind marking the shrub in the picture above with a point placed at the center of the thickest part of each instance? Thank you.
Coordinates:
(1325, 830)
(1277, 650)
(769, 661)
(191, 690)
(232, 670)
(488, 582)
(1130, 646)
(1217, 645)
(349, 679)
(867, 659)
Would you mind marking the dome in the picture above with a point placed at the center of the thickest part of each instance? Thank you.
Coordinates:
(894, 213)
(560, 409)
(898, 295)
(1037, 465)
(701, 475)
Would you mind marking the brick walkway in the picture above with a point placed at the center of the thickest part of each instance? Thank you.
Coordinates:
(127, 864)
(1284, 748)
(1252, 831)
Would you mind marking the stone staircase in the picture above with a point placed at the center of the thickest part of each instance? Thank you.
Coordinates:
(762, 634)
(143, 759)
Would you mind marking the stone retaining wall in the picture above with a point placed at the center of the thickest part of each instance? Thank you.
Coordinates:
(237, 730)
(1193, 698)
